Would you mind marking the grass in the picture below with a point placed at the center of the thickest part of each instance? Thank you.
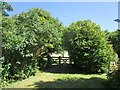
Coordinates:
(56, 80)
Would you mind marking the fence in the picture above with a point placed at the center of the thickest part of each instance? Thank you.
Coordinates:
(58, 60)
(114, 65)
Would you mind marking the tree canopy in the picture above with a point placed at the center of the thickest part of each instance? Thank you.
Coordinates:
(36, 30)
(5, 7)
(25, 37)
(35, 33)
(88, 46)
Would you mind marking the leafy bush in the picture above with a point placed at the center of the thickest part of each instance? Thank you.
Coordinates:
(114, 79)
(25, 37)
(115, 40)
(88, 46)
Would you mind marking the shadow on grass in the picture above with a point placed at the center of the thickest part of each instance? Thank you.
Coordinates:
(63, 69)
(73, 83)
(66, 69)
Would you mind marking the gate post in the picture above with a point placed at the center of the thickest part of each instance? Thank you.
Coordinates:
(70, 60)
(59, 60)
(49, 61)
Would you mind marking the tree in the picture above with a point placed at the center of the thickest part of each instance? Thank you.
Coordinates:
(5, 7)
(107, 33)
(25, 37)
(115, 40)
(16, 65)
(42, 31)
(88, 46)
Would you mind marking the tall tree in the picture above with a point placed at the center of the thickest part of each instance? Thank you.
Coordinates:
(5, 7)
(34, 33)
(25, 37)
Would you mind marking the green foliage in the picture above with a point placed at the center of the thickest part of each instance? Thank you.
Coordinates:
(4, 6)
(114, 79)
(115, 40)
(88, 46)
(25, 37)
(43, 31)
(107, 33)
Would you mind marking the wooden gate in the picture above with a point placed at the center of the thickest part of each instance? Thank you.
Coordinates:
(58, 60)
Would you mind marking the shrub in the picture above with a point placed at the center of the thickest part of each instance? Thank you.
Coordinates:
(114, 79)
(88, 46)
(25, 37)
(115, 40)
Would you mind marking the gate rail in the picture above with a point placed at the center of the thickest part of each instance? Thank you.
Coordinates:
(58, 60)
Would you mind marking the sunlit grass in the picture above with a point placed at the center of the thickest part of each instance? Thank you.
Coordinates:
(52, 80)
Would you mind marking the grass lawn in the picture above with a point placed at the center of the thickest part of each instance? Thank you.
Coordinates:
(56, 80)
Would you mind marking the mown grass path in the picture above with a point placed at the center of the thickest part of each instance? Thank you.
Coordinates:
(58, 80)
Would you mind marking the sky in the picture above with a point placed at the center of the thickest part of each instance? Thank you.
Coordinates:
(102, 13)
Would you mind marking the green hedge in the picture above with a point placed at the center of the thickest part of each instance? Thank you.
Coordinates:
(88, 46)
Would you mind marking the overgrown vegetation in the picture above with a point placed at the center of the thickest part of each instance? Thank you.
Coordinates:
(88, 47)
(114, 76)
(114, 37)
(35, 33)
(114, 79)
(25, 37)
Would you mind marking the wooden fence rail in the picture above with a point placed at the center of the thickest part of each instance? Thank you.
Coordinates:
(113, 65)
(58, 60)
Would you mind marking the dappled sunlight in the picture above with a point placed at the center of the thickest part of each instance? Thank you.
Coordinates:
(39, 51)
(56, 80)
(93, 82)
